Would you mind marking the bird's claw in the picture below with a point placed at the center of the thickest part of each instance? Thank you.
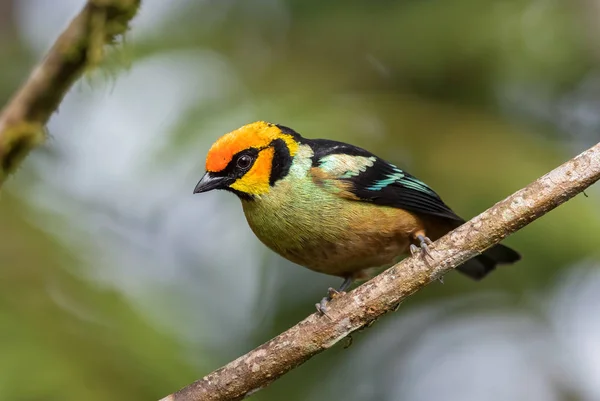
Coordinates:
(423, 247)
(322, 306)
(332, 292)
(414, 249)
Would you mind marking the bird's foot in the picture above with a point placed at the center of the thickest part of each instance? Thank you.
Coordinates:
(331, 293)
(322, 306)
(423, 247)
(414, 249)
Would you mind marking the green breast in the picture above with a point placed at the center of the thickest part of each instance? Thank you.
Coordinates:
(290, 221)
(314, 228)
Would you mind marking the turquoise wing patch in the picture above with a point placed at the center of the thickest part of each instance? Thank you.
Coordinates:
(400, 177)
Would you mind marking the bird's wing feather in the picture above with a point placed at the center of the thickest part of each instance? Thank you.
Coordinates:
(357, 174)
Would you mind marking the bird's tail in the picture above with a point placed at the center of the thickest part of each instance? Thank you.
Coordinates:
(478, 267)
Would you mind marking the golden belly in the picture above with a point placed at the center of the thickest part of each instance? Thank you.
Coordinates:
(335, 240)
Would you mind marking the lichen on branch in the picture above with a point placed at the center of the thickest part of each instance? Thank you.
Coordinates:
(80, 47)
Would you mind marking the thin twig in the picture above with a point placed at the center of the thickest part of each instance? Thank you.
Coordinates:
(361, 307)
(79, 47)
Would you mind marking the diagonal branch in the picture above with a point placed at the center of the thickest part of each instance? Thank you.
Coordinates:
(348, 313)
(79, 47)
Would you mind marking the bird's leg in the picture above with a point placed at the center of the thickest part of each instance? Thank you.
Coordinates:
(332, 293)
(424, 243)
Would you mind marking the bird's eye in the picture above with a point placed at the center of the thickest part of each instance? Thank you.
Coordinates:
(244, 162)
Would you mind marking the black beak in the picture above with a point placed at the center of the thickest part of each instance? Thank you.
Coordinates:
(208, 183)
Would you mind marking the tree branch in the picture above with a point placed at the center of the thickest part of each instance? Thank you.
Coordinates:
(384, 293)
(80, 46)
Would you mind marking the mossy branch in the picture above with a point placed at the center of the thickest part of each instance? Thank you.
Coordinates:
(79, 47)
(382, 294)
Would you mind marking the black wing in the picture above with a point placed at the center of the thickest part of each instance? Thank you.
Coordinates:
(374, 180)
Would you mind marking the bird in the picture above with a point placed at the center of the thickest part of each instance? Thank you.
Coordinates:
(332, 207)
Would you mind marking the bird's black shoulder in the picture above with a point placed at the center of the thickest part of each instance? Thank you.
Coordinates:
(324, 147)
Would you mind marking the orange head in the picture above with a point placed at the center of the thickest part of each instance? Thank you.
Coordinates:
(250, 159)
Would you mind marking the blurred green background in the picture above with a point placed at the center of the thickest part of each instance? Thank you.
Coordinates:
(116, 283)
